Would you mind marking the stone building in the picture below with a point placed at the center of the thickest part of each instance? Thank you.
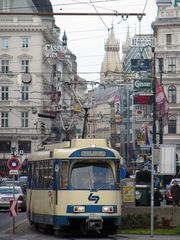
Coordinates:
(167, 32)
(34, 68)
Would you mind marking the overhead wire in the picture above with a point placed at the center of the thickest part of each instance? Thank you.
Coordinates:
(99, 15)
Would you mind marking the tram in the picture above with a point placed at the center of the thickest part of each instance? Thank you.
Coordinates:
(75, 184)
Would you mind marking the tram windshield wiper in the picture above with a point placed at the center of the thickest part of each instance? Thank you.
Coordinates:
(107, 186)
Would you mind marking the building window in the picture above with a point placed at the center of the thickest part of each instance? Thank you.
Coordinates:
(24, 146)
(168, 39)
(24, 119)
(4, 66)
(25, 42)
(4, 93)
(172, 94)
(25, 66)
(171, 64)
(172, 125)
(4, 119)
(5, 5)
(24, 93)
(5, 146)
(5, 43)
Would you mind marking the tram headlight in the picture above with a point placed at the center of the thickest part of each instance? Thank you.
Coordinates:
(107, 209)
(79, 209)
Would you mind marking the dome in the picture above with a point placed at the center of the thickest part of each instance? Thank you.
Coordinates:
(43, 6)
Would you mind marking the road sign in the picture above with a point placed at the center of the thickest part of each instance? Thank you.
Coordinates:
(13, 163)
(13, 172)
(13, 208)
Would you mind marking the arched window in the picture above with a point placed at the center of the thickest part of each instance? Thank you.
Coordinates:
(172, 94)
(172, 125)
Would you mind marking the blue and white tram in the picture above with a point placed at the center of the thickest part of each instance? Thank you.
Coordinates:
(77, 185)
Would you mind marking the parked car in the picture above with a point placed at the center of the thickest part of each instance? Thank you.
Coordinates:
(22, 180)
(142, 195)
(6, 194)
(168, 195)
(9, 183)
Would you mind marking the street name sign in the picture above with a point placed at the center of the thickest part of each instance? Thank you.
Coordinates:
(13, 172)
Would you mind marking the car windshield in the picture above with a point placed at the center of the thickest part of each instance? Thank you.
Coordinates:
(9, 191)
(92, 176)
(22, 179)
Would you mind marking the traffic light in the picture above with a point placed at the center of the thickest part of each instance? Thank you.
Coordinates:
(43, 128)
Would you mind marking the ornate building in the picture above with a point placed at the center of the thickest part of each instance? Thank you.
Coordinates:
(166, 30)
(35, 66)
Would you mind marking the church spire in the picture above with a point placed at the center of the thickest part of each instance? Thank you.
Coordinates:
(111, 67)
(64, 38)
(127, 44)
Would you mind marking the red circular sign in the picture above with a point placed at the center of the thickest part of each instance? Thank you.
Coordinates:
(13, 163)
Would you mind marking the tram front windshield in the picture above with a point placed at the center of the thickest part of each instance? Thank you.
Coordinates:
(98, 176)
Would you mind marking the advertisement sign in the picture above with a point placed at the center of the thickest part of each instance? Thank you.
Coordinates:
(141, 65)
(143, 99)
(142, 84)
(128, 194)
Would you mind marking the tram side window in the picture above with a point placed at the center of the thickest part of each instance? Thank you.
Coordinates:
(64, 175)
(43, 175)
(48, 175)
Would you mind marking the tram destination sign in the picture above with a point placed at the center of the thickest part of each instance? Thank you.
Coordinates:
(93, 153)
(142, 83)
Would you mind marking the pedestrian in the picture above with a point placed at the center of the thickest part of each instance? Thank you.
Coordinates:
(156, 182)
(175, 191)
(158, 197)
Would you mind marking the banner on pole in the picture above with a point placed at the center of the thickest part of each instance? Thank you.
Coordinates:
(167, 159)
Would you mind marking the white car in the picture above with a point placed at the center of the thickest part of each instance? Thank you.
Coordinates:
(6, 194)
(174, 179)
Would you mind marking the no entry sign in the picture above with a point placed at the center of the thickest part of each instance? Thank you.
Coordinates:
(13, 163)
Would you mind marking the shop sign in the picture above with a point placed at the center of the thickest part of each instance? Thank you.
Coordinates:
(142, 84)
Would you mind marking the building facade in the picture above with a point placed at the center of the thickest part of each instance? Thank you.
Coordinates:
(167, 32)
(35, 66)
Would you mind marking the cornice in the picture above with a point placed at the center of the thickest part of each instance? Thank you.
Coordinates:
(17, 28)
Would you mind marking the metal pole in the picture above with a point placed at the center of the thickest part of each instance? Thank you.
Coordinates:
(84, 134)
(154, 97)
(160, 121)
(13, 199)
(128, 123)
(152, 192)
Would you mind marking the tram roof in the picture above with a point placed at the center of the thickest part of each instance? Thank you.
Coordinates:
(65, 149)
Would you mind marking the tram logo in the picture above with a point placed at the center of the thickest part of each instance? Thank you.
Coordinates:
(93, 198)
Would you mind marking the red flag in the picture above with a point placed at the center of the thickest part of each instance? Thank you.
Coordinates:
(161, 104)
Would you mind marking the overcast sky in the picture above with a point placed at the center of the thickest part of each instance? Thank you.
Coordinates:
(87, 34)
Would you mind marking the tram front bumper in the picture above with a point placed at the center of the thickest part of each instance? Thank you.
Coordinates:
(94, 223)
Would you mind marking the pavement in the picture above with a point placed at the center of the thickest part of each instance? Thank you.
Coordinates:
(25, 228)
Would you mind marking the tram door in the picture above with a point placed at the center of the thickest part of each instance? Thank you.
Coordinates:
(60, 179)
(56, 181)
